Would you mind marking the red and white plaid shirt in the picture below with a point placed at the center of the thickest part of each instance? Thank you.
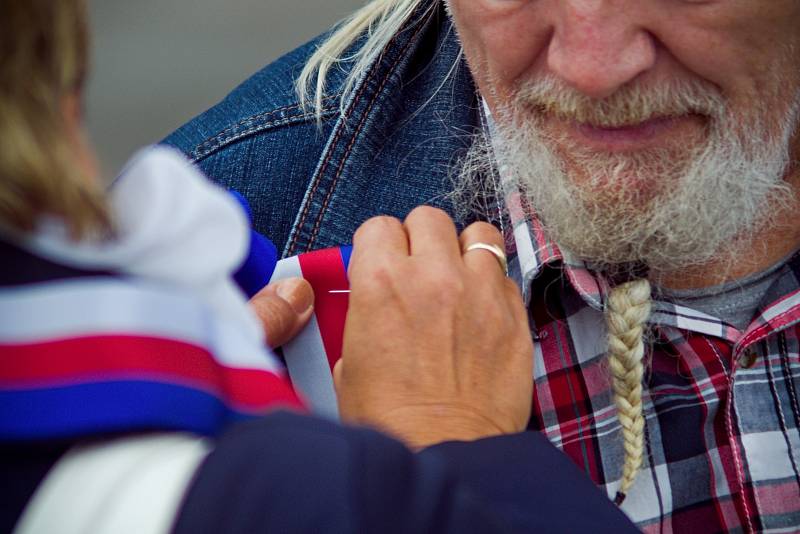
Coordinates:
(722, 434)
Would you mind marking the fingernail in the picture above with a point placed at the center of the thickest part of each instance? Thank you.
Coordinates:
(297, 292)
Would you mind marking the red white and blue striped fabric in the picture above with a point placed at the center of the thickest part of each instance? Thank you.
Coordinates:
(104, 354)
(146, 331)
(310, 357)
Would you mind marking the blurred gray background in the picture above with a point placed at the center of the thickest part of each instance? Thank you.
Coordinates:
(158, 63)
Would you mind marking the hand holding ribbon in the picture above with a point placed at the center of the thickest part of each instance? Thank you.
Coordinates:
(436, 342)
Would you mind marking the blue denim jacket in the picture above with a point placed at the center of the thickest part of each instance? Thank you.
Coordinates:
(311, 185)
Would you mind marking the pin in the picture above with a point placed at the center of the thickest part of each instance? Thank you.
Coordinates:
(338, 291)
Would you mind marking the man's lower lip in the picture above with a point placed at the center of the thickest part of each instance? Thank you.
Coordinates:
(625, 137)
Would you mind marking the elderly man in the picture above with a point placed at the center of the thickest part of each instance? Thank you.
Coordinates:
(640, 157)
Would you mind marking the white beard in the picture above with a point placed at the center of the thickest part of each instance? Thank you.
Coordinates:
(704, 200)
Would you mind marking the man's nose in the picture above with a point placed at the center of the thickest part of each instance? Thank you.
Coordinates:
(596, 46)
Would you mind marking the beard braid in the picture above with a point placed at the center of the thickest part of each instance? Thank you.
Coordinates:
(702, 202)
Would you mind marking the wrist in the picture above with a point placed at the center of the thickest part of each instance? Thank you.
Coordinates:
(422, 426)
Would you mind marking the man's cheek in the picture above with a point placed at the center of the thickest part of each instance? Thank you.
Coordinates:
(503, 43)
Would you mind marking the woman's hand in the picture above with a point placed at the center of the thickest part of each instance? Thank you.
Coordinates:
(284, 308)
(437, 345)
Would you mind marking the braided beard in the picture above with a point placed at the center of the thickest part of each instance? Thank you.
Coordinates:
(669, 208)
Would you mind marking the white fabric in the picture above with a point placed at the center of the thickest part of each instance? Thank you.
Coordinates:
(126, 486)
(173, 226)
(180, 238)
(526, 255)
(305, 357)
(76, 308)
(176, 232)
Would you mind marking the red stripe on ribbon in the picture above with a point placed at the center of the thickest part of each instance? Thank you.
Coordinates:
(325, 272)
(108, 358)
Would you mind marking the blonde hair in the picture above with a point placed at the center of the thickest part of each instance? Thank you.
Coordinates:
(378, 22)
(43, 60)
(629, 304)
(627, 312)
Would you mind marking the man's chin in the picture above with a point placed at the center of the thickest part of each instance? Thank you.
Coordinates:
(614, 258)
(611, 230)
(636, 176)
(626, 187)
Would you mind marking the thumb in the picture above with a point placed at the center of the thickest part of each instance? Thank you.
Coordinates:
(337, 375)
(284, 307)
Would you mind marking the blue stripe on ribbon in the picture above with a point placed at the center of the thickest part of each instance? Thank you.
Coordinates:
(105, 407)
(346, 252)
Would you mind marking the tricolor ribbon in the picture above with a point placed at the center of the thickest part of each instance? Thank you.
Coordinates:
(310, 356)
(99, 355)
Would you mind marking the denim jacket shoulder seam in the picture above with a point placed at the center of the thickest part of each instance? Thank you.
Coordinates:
(317, 177)
(359, 128)
(341, 127)
(281, 116)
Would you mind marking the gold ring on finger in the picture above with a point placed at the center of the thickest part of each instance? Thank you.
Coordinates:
(496, 251)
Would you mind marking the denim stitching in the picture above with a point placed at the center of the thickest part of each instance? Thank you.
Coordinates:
(359, 128)
(252, 125)
(318, 176)
(244, 122)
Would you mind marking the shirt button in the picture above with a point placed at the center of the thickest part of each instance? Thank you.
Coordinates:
(748, 358)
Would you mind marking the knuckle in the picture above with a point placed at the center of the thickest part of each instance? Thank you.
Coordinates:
(374, 279)
(423, 211)
(482, 231)
(484, 228)
(377, 225)
(430, 214)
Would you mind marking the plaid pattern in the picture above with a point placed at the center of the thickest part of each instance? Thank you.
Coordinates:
(721, 405)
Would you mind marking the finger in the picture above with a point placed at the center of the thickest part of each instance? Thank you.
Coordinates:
(480, 260)
(337, 376)
(284, 308)
(431, 232)
(378, 238)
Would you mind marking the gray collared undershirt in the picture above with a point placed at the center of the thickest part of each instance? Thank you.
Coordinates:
(735, 302)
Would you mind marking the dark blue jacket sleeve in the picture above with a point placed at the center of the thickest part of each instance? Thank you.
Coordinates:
(290, 473)
(532, 485)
